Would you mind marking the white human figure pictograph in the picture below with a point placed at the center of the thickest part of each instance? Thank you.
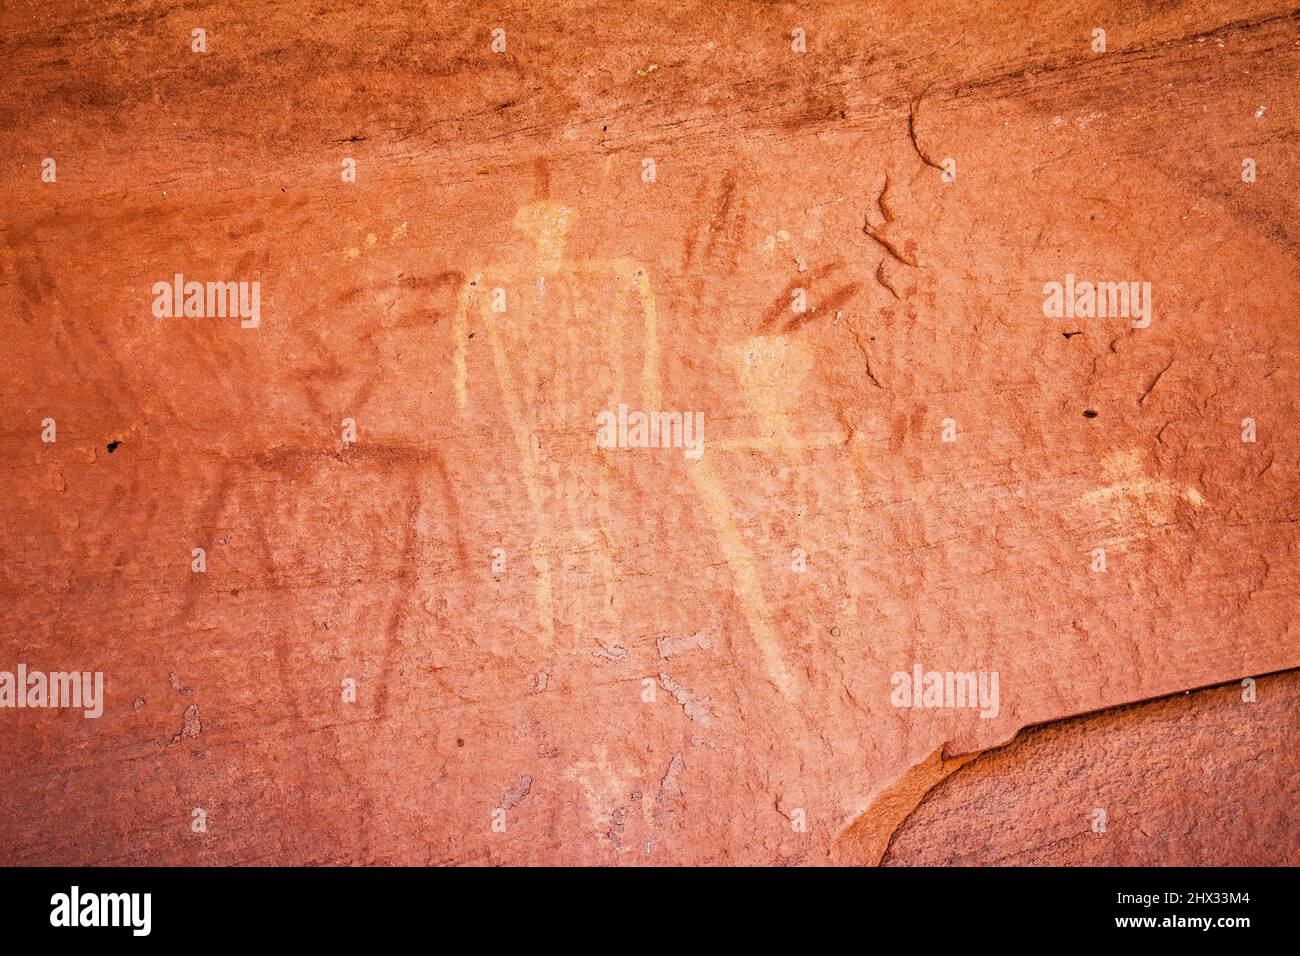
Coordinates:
(561, 352)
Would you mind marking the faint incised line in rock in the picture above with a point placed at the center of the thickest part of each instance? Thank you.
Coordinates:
(1155, 381)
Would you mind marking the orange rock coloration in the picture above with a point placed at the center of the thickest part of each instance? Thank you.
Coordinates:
(674, 434)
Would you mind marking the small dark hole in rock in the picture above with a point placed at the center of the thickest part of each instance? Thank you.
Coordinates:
(112, 446)
(1089, 414)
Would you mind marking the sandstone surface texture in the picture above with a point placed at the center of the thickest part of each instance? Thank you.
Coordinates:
(379, 567)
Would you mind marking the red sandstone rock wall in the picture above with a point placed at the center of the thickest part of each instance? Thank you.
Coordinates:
(1196, 779)
(438, 622)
